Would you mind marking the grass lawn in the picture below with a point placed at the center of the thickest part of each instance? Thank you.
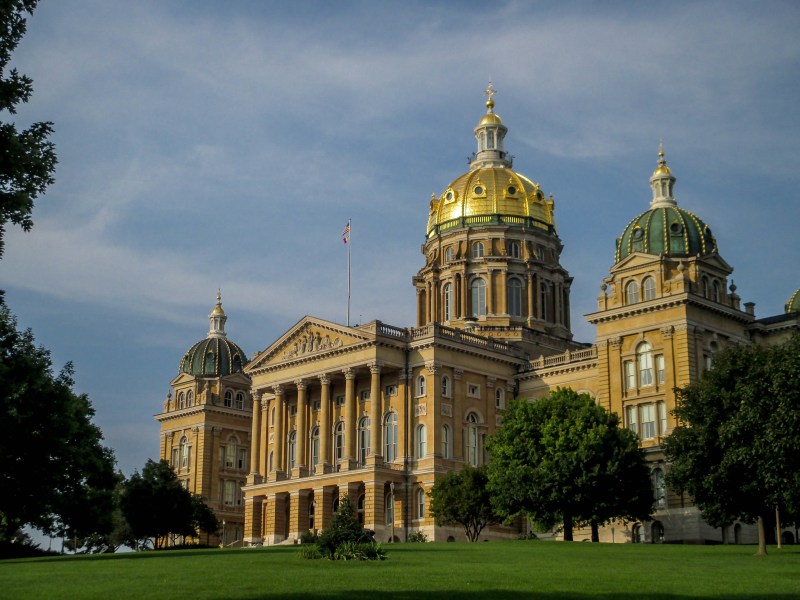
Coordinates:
(522, 569)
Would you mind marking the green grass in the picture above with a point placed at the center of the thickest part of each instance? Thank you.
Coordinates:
(514, 570)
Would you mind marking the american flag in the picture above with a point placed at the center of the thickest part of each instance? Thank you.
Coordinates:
(346, 234)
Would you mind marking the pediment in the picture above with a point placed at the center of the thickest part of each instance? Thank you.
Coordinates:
(308, 338)
(633, 261)
(181, 379)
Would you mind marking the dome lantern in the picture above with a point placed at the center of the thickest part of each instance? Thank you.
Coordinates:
(215, 355)
(490, 133)
(662, 181)
(217, 319)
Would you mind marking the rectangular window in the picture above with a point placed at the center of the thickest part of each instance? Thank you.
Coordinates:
(230, 493)
(364, 395)
(292, 410)
(340, 400)
(632, 419)
(473, 390)
(660, 369)
(630, 375)
(240, 464)
(662, 419)
(648, 416)
(316, 405)
(391, 390)
(174, 458)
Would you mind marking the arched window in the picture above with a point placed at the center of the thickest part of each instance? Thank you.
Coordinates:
(513, 249)
(422, 441)
(715, 291)
(360, 504)
(632, 292)
(181, 400)
(648, 288)
(705, 287)
(228, 399)
(338, 442)
(363, 440)
(421, 385)
(270, 461)
(449, 254)
(389, 509)
(445, 386)
(237, 363)
(314, 447)
(189, 399)
(499, 398)
(514, 297)
(184, 447)
(390, 436)
(478, 287)
(659, 488)
(473, 440)
(230, 452)
(447, 297)
(420, 503)
(240, 400)
(446, 451)
(644, 357)
(312, 507)
(544, 302)
(477, 250)
(292, 454)
(637, 536)
(272, 417)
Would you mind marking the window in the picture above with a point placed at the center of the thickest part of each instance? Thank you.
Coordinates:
(658, 532)
(338, 442)
(662, 418)
(648, 417)
(391, 390)
(659, 488)
(364, 395)
(632, 292)
(447, 297)
(648, 288)
(630, 375)
(363, 440)
(644, 356)
(422, 442)
(389, 509)
(420, 503)
(449, 254)
(241, 461)
(446, 452)
(715, 291)
(270, 461)
(390, 437)
(229, 493)
(293, 410)
(637, 534)
(477, 250)
(209, 363)
(184, 448)
(478, 288)
(314, 447)
(421, 385)
(228, 399)
(632, 419)
(189, 399)
(514, 299)
(292, 454)
(312, 507)
(499, 398)
(473, 390)
(705, 287)
(240, 400)
(445, 386)
(660, 369)
(513, 249)
(473, 440)
(316, 404)
(272, 417)
(175, 458)
(713, 347)
(340, 400)
(230, 452)
(181, 400)
(544, 302)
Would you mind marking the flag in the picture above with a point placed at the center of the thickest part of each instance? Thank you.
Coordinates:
(346, 233)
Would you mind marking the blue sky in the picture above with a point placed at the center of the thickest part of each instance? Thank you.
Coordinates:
(207, 145)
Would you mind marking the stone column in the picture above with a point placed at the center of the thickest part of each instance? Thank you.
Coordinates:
(349, 417)
(252, 521)
(263, 443)
(503, 294)
(458, 414)
(531, 311)
(490, 289)
(280, 435)
(325, 425)
(463, 309)
(256, 434)
(302, 429)
(373, 506)
(375, 412)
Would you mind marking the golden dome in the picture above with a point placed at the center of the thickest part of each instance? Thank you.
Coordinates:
(217, 310)
(490, 119)
(662, 170)
(491, 195)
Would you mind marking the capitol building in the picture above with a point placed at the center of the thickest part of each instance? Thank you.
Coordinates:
(380, 412)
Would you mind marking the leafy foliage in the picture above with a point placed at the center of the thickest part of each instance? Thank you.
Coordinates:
(61, 475)
(345, 539)
(27, 157)
(462, 498)
(563, 458)
(737, 449)
(418, 537)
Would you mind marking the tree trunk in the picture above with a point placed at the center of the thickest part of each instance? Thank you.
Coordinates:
(595, 531)
(762, 540)
(567, 528)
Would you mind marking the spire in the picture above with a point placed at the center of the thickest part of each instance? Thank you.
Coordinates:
(217, 319)
(490, 133)
(662, 182)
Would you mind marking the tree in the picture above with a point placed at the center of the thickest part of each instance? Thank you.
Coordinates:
(563, 458)
(156, 505)
(462, 498)
(53, 457)
(344, 529)
(27, 157)
(736, 449)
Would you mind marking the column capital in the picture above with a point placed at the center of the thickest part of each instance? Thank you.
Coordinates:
(264, 403)
(277, 390)
(666, 332)
(301, 385)
(490, 381)
(433, 366)
(616, 342)
(256, 393)
(458, 374)
(324, 379)
(349, 373)
(375, 367)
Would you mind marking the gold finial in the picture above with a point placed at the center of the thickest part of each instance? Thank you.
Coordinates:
(661, 148)
(218, 307)
(490, 92)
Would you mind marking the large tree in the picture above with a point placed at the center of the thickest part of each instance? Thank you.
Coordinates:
(55, 469)
(27, 157)
(736, 449)
(462, 498)
(564, 459)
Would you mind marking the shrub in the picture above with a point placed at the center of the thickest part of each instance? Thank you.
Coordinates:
(309, 537)
(344, 539)
(418, 536)
(359, 551)
(311, 552)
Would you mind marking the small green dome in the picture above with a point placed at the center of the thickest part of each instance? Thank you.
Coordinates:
(213, 356)
(666, 231)
(793, 305)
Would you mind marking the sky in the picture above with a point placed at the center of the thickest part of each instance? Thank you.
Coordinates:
(206, 145)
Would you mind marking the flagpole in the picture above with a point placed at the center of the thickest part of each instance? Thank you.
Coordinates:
(349, 231)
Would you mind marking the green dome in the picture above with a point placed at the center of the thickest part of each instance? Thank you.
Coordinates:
(666, 231)
(793, 305)
(213, 356)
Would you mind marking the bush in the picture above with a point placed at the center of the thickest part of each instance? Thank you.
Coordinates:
(418, 536)
(359, 551)
(311, 552)
(309, 537)
(344, 539)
